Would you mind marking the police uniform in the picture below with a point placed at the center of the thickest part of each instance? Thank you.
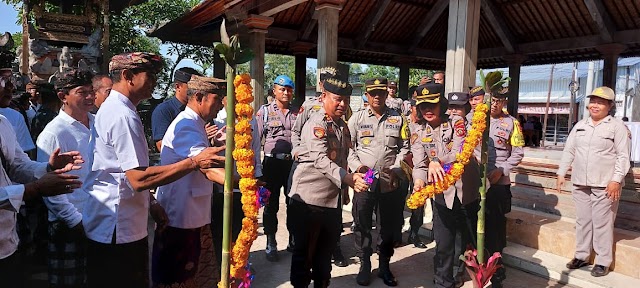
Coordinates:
(455, 210)
(505, 151)
(274, 126)
(597, 154)
(379, 143)
(316, 186)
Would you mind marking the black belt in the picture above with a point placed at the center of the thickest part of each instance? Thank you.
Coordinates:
(281, 156)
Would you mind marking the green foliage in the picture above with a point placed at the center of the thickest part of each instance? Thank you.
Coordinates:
(372, 71)
(311, 78)
(416, 74)
(17, 41)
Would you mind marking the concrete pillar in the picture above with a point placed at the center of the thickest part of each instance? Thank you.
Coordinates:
(327, 13)
(462, 44)
(300, 52)
(257, 26)
(515, 63)
(610, 53)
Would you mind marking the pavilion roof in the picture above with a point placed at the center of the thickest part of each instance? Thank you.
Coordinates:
(388, 31)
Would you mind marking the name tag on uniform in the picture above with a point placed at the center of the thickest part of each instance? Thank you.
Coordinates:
(365, 126)
(275, 124)
(579, 130)
(392, 126)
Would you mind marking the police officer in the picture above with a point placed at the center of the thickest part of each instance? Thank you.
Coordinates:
(308, 108)
(436, 141)
(598, 151)
(505, 153)
(317, 185)
(379, 143)
(393, 101)
(275, 121)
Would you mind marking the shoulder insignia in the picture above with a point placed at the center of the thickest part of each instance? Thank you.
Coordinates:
(449, 145)
(517, 139)
(318, 132)
(414, 137)
(301, 109)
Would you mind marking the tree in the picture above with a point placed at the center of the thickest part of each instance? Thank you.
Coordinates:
(416, 74)
(275, 65)
(372, 71)
(311, 76)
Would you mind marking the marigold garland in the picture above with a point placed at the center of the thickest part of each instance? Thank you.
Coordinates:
(474, 136)
(244, 157)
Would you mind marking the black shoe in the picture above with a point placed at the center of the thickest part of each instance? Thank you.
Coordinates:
(291, 244)
(272, 248)
(364, 275)
(576, 263)
(385, 273)
(416, 241)
(599, 271)
(338, 258)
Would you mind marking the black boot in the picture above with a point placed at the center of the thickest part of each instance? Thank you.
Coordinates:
(338, 258)
(385, 273)
(498, 278)
(272, 248)
(321, 284)
(291, 244)
(414, 239)
(364, 276)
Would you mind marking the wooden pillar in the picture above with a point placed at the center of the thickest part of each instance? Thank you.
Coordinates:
(300, 52)
(219, 66)
(257, 31)
(515, 63)
(328, 13)
(106, 55)
(24, 68)
(403, 77)
(462, 44)
(610, 53)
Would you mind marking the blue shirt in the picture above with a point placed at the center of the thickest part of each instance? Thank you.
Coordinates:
(163, 115)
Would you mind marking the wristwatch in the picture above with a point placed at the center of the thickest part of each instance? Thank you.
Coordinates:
(435, 159)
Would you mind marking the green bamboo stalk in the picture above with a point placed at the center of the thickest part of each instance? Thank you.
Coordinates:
(483, 184)
(228, 179)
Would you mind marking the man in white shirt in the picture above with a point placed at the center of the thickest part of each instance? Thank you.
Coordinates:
(16, 167)
(188, 199)
(69, 131)
(116, 212)
(19, 126)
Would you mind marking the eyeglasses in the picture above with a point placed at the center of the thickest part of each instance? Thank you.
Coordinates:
(6, 80)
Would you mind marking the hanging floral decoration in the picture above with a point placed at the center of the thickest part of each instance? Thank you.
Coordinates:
(248, 184)
(453, 171)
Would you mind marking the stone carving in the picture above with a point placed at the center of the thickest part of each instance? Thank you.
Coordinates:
(65, 58)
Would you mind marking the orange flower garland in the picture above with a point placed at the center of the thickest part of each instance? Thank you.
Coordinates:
(248, 184)
(474, 136)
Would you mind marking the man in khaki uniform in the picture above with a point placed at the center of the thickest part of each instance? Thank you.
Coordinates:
(379, 143)
(598, 151)
(505, 153)
(317, 185)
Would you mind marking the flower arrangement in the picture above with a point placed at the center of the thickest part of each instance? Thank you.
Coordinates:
(480, 273)
(244, 156)
(454, 171)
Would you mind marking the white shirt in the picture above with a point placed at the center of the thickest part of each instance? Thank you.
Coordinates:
(20, 127)
(120, 145)
(21, 170)
(68, 134)
(187, 201)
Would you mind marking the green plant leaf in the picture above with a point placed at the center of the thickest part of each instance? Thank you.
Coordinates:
(224, 37)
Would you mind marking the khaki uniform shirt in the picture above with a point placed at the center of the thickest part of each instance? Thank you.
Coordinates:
(274, 126)
(308, 108)
(394, 103)
(507, 141)
(597, 153)
(444, 142)
(322, 156)
(380, 144)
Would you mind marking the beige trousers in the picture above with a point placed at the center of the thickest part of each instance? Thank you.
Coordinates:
(595, 215)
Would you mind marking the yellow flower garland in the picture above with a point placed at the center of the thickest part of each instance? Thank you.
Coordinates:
(474, 136)
(248, 184)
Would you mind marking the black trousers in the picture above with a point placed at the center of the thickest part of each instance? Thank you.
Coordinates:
(387, 217)
(216, 221)
(446, 223)
(316, 232)
(12, 271)
(417, 215)
(498, 204)
(118, 265)
(276, 173)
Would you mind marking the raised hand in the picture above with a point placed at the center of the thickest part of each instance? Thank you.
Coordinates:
(209, 158)
(65, 161)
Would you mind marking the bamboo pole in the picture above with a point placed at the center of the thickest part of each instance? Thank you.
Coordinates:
(228, 180)
(483, 183)
(546, 111)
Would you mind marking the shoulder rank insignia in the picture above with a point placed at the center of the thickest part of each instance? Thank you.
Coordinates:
(517, 139)
(318, 132)
(414, 137)
(460, 128)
